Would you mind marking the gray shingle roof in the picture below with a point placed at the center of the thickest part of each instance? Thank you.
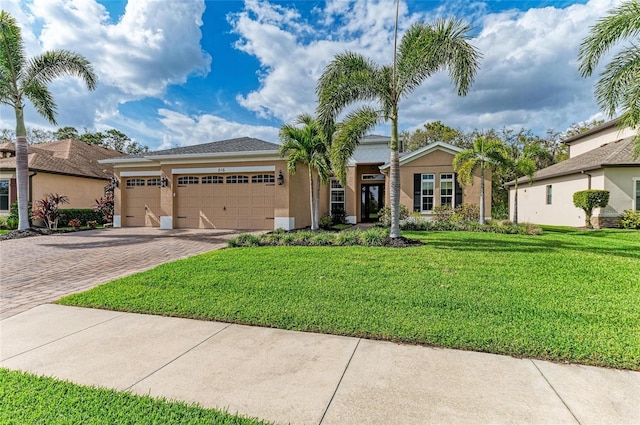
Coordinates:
(242, 144)
(612, 154)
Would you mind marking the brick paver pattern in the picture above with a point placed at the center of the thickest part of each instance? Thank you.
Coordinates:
(42, 269)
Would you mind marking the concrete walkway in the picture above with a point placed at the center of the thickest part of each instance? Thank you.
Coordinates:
(304, 378)
(42, 269)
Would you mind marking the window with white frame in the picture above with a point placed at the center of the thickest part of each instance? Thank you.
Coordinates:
(263, 178)
(212, 180)
(157, 181)
(428, 191)
(446, 189)
(336, 197)
(185, 180)
(237, 179)
(549, 194)
(4, 195)
(134, 182)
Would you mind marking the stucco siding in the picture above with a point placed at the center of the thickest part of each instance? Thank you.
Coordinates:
(620, 184)
(82, 192)
(596, 140)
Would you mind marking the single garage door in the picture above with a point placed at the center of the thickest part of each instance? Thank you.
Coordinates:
(239, 201)
(142, 203)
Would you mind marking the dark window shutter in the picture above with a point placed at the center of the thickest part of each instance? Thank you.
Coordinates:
(458, 189)
(417, 190)
(13, 191)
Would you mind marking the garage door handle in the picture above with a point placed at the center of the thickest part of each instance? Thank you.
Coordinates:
(182, 216)
(130, 216)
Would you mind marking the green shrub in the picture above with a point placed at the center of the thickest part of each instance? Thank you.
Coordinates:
(245, 239)
(13, 219)
(75, 223)
(323, 239)
(442, 213)
(384, 215)
(630, 219)
(587, 200)
(338, 216)
(374, 237)
(500, 211)
(347, 238)
(3, 222)
(468, 212)
(325, 222)
(82, 214)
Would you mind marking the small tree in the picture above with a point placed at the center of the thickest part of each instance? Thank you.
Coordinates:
(47, 209)
(588, 200)
(105, 205)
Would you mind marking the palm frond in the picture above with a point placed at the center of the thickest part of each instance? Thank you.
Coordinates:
(42, 100)
(50, 65)
(619, 83)
(12, 57)
(619, 24)
(427, 49)
(348, 134)
(350, 77)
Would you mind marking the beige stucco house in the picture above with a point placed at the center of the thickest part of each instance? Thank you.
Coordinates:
(602, 159)
(67, 167)
(243, 184)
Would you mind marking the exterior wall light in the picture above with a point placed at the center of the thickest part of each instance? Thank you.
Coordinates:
(280, 178)
(164, 181)
(115, 182)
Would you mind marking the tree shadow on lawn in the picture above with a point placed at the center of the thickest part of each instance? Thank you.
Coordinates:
(535, 245)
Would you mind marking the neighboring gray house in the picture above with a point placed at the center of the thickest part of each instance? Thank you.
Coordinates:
(602, 159)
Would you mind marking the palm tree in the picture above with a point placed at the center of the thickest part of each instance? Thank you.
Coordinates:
(308, 145)
(522, 164)
(21, 77)
(619, 84)
(350, 78)
(483, 154)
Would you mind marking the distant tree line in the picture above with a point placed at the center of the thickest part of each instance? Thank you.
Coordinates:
(110, 139)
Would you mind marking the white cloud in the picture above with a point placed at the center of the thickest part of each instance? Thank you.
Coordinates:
(183, 130)
(528, 74)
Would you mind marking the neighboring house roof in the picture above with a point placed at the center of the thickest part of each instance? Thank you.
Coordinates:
(612, 154)
(241, 145)
(70, 157)
(593, 130)
(425, 150)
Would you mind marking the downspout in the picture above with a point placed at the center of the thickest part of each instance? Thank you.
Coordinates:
(588, 180)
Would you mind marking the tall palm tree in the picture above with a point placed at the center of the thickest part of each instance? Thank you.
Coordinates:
(484, 154)
(351, 77)
(522, 164)
(28, 78)
(619, 84)
(307, 145)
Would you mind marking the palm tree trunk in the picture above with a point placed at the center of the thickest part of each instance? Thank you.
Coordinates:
(515, 204)
(314, 223)
(22, 170)
(482, 192)
(394, 178)
(316, 210)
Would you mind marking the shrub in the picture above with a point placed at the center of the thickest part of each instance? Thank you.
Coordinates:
(245, 239)
(92, 224)
(3, 222)
(74, 222)
(323, 239)
(384, 215)
(442, 213)
(47, 209)
(325, 222)
(630, 219)
(468, 212)
(587, 200)
(374, 237)
(347, 238)
(82, 214)
(13, 219)
(500, 211)
(338, 216)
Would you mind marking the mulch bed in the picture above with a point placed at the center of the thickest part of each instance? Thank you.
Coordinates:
(19, 234)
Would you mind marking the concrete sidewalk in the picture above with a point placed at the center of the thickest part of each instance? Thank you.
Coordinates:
(304, 378)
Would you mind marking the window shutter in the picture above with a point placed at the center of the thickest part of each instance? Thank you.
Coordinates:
(458, 190)
(417, 190)
(13, 191)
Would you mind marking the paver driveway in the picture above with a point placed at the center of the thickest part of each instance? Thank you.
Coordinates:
(42, 269)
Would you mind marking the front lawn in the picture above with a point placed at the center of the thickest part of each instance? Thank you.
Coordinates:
(565, 296)
(28, 399)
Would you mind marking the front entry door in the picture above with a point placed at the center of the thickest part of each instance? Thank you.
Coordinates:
(371, 201)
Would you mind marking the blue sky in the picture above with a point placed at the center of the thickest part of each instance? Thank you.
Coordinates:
(182, 72)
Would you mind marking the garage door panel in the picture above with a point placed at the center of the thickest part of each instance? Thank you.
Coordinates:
(226, 205)
(141, 203)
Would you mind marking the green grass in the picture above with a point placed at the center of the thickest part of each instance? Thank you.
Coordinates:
(3, 231)
(29, 399)
(565, 296)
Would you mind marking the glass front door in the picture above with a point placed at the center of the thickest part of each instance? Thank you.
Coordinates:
(371, 202)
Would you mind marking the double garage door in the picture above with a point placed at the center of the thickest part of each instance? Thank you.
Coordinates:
(242, 201)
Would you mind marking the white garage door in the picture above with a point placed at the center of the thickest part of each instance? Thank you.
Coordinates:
(142, 202)
(238, 201)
